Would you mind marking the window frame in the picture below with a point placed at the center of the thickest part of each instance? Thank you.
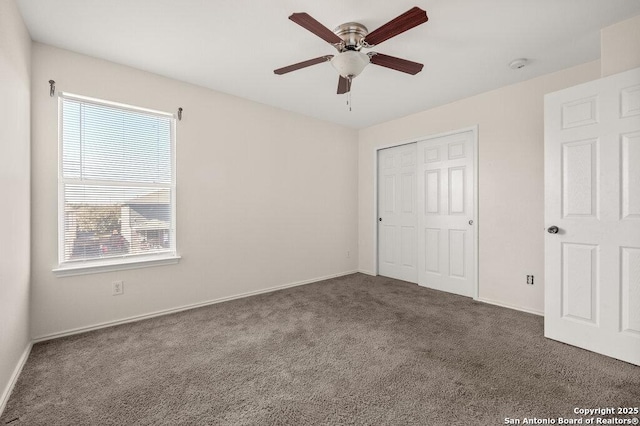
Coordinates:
(97, 265)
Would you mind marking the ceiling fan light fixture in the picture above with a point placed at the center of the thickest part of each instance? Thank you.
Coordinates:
(350, 64)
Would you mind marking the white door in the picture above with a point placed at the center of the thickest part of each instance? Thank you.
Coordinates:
(592, 214)
(397, 219)
(446, 214)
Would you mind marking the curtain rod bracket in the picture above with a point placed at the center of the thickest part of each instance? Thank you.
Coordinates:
(52, 88)
(180, 114)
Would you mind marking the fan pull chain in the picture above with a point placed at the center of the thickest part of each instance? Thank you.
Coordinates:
(349, 104)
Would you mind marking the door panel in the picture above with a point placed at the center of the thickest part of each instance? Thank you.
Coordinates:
(579, 178)
(580, 282)
(408, 245)
(432, 191)
(631, 176)
(631, 290)
(457, 253)
(388, 244)
(432, 250)
(592, 194)
(407, 198)
(446, 225)
(456, 190)
(397, 225)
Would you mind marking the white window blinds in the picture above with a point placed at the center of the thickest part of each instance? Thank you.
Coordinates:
(117, 182)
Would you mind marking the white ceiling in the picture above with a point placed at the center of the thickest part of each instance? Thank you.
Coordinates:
(233, 46)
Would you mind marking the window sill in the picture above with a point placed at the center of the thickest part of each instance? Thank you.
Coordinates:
(114, 265)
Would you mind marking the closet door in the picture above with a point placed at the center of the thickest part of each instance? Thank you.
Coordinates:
(397, 217)
(446, 227)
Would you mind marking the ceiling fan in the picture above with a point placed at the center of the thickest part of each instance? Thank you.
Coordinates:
(350, 38)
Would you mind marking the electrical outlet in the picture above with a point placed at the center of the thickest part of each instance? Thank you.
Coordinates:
(530, 279)
(118, 287)
(348, 254)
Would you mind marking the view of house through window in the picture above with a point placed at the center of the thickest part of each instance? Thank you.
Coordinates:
(116, 182)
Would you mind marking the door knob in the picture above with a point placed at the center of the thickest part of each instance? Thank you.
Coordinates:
(553, 229)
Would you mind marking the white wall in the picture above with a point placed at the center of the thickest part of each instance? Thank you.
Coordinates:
(620, 46)
(15, 64)
(511, 187)
(265, 197)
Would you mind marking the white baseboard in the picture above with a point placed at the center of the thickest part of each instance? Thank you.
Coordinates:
(4, 398)
(504, 305)
(183, 308)
(489, 301)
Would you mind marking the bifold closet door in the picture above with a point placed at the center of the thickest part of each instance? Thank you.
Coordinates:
(397, 216)
(446, 227)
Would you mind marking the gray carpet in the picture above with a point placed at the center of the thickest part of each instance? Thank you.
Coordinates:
(352, 350)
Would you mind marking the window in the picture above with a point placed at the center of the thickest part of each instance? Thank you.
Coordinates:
(116, 184)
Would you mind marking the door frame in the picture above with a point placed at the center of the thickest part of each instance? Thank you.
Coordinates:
(474, 132)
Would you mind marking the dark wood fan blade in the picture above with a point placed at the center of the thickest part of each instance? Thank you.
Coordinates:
(306, 21)
(411, 18)
(344, 85)
(303, 64)
(397, 64)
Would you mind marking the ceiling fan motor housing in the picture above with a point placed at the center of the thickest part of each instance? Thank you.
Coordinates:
(352, 35)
